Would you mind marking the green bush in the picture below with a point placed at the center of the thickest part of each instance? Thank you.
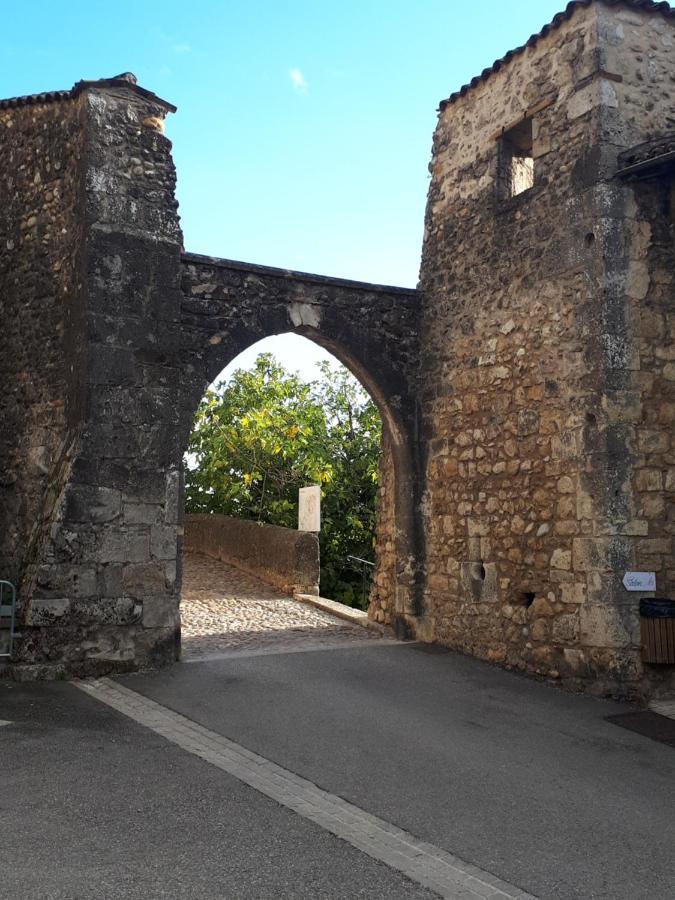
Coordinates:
(263, 434)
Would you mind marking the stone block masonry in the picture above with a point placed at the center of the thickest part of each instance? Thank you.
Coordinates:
(546, 404)
(41, 310)
(282, 557)
(527, 388)
(129, 333)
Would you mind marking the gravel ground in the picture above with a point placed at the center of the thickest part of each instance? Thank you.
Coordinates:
(225, 609)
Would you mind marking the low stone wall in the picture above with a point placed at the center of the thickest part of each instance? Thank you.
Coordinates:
(282, 557)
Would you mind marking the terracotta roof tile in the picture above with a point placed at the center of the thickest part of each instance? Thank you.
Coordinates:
(665, 9)
(31, 99)
(126, 79)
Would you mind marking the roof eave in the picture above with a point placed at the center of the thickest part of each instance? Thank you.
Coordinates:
(649, 6)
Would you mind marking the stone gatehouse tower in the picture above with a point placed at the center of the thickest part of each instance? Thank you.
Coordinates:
(527, 388)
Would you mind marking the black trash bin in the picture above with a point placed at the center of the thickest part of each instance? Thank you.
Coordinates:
(657, 628)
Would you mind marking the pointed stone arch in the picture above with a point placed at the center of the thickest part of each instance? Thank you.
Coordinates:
(227, 306)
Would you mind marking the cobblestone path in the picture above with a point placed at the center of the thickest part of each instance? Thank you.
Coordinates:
(224, 609)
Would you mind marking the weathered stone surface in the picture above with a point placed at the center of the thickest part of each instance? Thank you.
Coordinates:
(142, 580)
(372, 330)
(526, 389)
(124, 546)
(159, 611)
(46, 611)
(87, 503)
(545, 397)
(283, 557)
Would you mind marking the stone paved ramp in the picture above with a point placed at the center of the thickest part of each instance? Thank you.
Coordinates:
(225, 610)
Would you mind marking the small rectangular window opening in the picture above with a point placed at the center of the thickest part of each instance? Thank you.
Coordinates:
(516, 163)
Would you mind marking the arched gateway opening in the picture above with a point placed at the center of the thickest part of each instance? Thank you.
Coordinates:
(228, 307)
(94, 520)
(102, 578)
(283, 415)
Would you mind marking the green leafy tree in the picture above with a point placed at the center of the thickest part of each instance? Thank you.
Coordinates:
(265, 433)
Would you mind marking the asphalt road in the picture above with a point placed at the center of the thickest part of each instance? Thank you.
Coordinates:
(519, 778)
(523, 780)
(95, 807)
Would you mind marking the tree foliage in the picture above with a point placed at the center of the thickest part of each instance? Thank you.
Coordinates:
(263, 434)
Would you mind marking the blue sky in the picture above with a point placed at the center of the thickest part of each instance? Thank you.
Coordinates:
(303, 130)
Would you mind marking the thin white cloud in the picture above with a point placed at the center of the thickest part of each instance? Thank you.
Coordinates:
(298, 81)
(181, 49)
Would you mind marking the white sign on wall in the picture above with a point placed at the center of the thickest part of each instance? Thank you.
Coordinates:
(309, 508)
(640, 581)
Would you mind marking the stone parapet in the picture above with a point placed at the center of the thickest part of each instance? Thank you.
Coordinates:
(282, 557)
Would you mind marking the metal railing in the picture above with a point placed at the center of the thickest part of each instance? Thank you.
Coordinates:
(7, 617)
(364, 565)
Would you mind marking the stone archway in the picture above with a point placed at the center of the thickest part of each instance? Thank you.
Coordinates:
(228, 306)
(543, 446)
(143, 328)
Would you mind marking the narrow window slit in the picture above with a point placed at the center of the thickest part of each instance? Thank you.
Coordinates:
(516, 162)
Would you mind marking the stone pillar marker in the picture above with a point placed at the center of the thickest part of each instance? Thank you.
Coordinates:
(309, 508)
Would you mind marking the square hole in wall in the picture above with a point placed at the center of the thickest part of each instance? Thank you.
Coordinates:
(516, 162)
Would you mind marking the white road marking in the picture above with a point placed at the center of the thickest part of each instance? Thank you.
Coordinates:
(4, 722)
(430, 866)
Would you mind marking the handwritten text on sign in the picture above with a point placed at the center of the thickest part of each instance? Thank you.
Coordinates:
(639, 581)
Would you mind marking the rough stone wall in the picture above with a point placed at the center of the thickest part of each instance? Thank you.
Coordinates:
(105, 591)
(228, 305)
(525, 382)
(382, 605)
(641, 271)
(283, 557)
(650, 432)
(526, 390)
(41, 227)
(653, 433)
(100, 590)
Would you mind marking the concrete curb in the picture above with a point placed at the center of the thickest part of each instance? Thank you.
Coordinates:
(348, 613)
